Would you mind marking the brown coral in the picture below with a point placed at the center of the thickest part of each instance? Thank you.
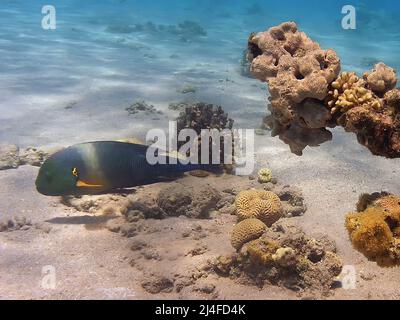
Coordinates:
(375, 231)
(307, 96)
(362, 106)
(246, 231)
(260, 204)
(381, 79)
(294, 66)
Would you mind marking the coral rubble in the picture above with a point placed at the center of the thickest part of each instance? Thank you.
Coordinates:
(11, 156)
(308, 94)
(374, 229)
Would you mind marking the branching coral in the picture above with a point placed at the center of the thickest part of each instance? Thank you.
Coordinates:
(375, 231)
(246, 231)
(260, 204)
(349, 91)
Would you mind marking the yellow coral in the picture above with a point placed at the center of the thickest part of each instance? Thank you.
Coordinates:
(374, 231)
(260, 204)
(390, 203)
(246, 231)
(349, 91)
(262, 250)
(264, 175)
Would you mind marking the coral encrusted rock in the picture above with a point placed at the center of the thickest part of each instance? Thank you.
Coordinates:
(294, 66)
(308, 94)
(374, 230)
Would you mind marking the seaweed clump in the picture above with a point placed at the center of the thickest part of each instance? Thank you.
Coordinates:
(374, 229)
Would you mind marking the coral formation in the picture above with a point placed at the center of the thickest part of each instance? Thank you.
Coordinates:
(201, 116)
(260, 204)
(264, 175)
(381, 79)
(374, 229)
(292, 201)
(368, 107)
(295, 68)
(307, 94)
(284, 255)
(246, 231)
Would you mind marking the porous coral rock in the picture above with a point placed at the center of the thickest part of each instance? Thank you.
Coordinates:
(381, 79)
(294, 66)
(260, 204)
(301, 76)
(375, 231)
(246, 231)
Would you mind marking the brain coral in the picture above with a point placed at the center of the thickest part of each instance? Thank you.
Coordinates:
(375, 231)
(260, 204)
(246, 231)
(294, 66)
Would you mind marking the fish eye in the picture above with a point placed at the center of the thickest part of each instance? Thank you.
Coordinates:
(74, 172)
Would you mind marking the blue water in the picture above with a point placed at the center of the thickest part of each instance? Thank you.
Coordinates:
(99, 72)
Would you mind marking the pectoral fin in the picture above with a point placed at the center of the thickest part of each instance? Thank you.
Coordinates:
(81, 184)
